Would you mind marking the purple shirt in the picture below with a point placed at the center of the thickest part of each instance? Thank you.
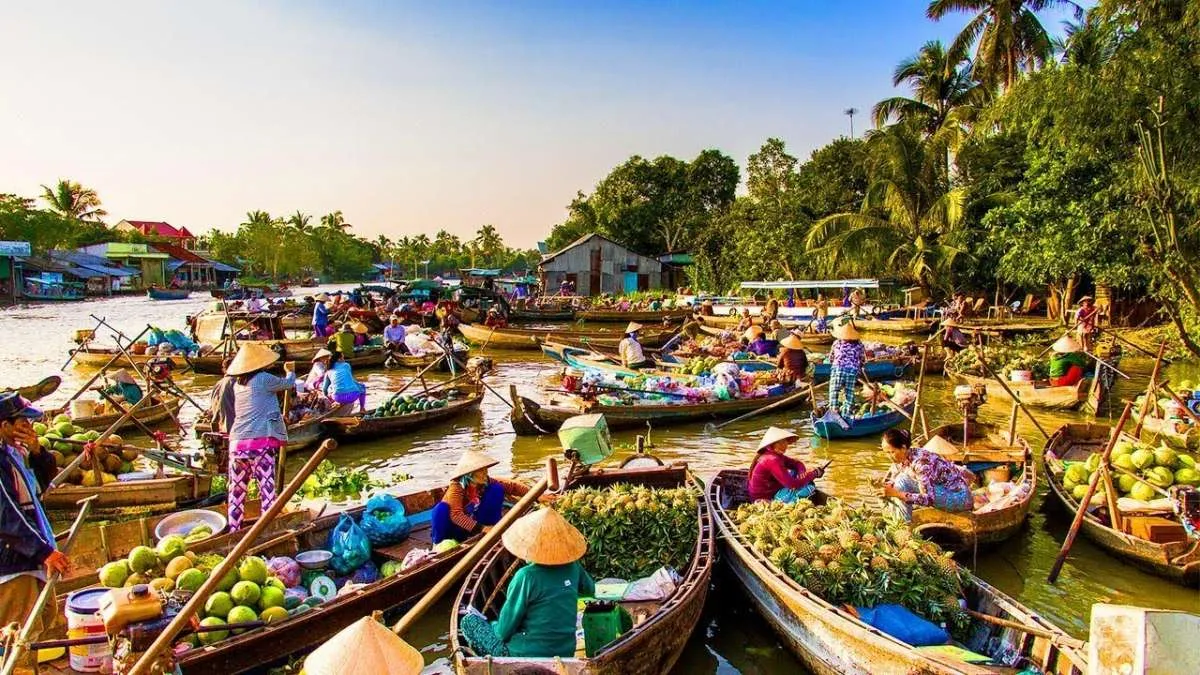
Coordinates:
(931, 470)
(848, 354)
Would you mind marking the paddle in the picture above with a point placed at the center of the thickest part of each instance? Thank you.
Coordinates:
(712, 428)
(1004, 385)
(1087, 497)
(163, 641)
(22, 642)
(479, 549)
(1149, 400)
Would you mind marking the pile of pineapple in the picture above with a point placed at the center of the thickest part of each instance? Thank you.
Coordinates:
(848, 555)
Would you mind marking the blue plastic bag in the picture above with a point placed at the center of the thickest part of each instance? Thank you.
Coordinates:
(900, 623)
(350, 547)
(384, 521)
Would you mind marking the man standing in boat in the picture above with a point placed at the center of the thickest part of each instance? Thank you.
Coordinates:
(27, 548)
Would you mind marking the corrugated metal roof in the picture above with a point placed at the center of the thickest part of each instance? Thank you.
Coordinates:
(94, 263)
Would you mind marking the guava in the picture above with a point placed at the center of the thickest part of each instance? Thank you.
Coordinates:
(1142, 492)
(227, 581)
(253, 568)
(246, 593)
(170, 547)
(271, 597)
(191, 580)
(1124, 462)
(1079, 492)
(1164, 456)
(1125, 483)
(1143, 458)
(114, 574)
(177, 566)
(218, 604)
(142, 559)
(241, 614)
(272, 614)
(209, 637)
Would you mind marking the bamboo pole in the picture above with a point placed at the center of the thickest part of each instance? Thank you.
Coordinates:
(22, 643)
(478, 550)
(163, 641)
(1087, 497)
(1110, 497)
(62, 475)
(1012, 425)
(1140, 349)
(1066, 641)
(1150, 387)
(1004, 385)
(920, 386)
(95, 377)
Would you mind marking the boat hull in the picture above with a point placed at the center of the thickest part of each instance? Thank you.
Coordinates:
(149, 415)
(97, 358)
(1071, 397)
(876, 371)
(168, 293)
(532, 338)
(367, 429)
(862, 426)
(617, 316)
(896, 326)
(163, 494)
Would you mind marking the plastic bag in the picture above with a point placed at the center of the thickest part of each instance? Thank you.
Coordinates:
(657, 586)
(350, 547)
(383, 520)
(904, 625)
(285, 569)
(367, 574)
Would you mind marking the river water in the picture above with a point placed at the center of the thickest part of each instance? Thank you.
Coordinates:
(731, 637)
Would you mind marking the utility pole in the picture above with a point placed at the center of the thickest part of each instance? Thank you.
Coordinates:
(851, 112)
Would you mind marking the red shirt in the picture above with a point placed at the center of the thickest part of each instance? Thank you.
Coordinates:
(773, 472)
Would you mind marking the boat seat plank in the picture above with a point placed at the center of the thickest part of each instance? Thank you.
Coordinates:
(419, 537)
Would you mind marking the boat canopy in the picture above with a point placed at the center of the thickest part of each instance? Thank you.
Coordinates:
(835, 283)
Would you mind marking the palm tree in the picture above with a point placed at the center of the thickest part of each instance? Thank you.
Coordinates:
(1089, 43)
(258, 218)
(1007, 35)
(300, 222)
(71, 200)
(941, 84)
(335, 221)
(908, 216)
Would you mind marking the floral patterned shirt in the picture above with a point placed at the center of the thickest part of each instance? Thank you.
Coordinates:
(932, 470)
(848, 354)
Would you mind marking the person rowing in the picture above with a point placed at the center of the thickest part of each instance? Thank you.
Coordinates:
(1068, 363)
(846, 362)
(793, 360)
(473, 500)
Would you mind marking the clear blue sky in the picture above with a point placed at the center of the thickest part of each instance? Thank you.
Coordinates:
(413, 117)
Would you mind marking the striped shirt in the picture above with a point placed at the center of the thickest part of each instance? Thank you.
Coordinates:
(457, 498)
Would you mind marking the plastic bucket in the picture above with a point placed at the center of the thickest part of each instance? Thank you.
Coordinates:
(1021, 376)
(82, 407)
(83, 621)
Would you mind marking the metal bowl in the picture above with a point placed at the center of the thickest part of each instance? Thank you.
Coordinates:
(314, 560)
(182, 522)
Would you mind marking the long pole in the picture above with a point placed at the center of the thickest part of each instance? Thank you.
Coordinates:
(1150, 387)
(62, 475)
(163, 641)
(920, 384)
(1083, 503)
(1127, 342)
(477, 551)
(22, 642)
(100, 372)
(1004, 385)
(757, 411)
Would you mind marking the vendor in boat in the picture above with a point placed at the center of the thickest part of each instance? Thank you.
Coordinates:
(846, 362)
(630, 350)
(541, 603)
(473, 501)
(124, 387)
(953, 339)
(923, 477)
(259, 430)
(821, 314)
(774, 475)
(706, 308)
(340, 386)
(958, 306)
(1086, 318)
(771, 311)
(320, 320)
(27, 549)
(314, 381)
(494, 318)
(655, 305)
(857, 299)
(744, 321)
(343, 341)
(742, 353)
(1068, 363)
(393, 335)
(221, 409)
(760, 343)
(776, 331)
(793, 360)
(362, 334)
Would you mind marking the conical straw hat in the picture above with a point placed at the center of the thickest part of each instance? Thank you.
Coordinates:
(251, 357)
(321, 297)
(321, 353)
(365, 648)
(774, 435)
(1067, 345)
(791, 342)
(949, 323)
(845, 330)
(546, 538)
(941, 446)
(360, 327)
(753, 332)
(472, 461)
(123, 377)
(633, 327)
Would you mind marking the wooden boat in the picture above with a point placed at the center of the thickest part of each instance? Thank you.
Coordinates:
(884, 418)
(1175, 433)
(301, 435)
(651, 647)
(807, 337)
(829, 640)
(157, 494)
(361, 428)
(1039, 394)
(964, 531)
(531, 338)
(640, 316)
(296, 321)
(876, 370)
(161, 409)
(155, 293)
(1178, 561)
(1008, 328)
(588, 359)
(530, 418)
(547, 315)
(268, 291)
(97, 357)
(365, 357)
(896, 326)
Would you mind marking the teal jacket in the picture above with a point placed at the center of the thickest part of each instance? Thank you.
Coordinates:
(539, 614)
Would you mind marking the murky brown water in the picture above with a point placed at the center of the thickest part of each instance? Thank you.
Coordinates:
(731, 639)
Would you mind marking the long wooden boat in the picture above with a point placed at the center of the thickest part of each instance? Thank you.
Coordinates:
(161, 409)
(985, 525)
(1039, 394)
(885, 418)
(1008, 328)
(1178, 561)
(541, 315)
(1176, 433)
(97, 357)
(301, 435)
(640, 316)
(168, 293)
(300, 351)
(296, 321)
(588, 359)
(807, 337)
(530, 418)
(650, 648)
(268, 291)
(829, 640)
(897, 326)
(157, 494)
(532, 338)
(877, 370)
(361, 427)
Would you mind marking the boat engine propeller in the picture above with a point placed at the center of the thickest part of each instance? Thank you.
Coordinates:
(969, 397)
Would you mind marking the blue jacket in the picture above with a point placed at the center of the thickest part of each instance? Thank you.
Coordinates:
(25, 535)
(320, 316)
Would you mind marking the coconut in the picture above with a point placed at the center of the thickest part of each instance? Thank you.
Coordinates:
(1164, 456)
(1143, 458)
(1142, 492)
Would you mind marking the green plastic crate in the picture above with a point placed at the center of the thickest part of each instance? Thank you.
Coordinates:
(588, 436)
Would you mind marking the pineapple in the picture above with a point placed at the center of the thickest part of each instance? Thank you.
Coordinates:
(879, 563)
(907, 557)
(901, 535)
(804, 550)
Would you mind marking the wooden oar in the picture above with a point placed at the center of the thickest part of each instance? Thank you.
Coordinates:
(1149, 400)
(42, 389)
(62, 475)
(18, 650)
(100, 372)
(1004, 385)
(920, 385)
(479, 549)
(1127, 472)
(163, 641)
(711, 428)
(1087, 497)
(1123, 340)
(1064, 640)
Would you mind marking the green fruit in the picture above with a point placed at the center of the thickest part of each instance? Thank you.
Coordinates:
(1185, 461)
(272, 614)
(136, 579)
(1076, 473)
(390, 568)
(1142, 492)
(191, 580)
(1125, 483)
(271, 597)
(79, 437)
(1187, 476)
(246, 593)
(253, 568)
(63, 446)
(275, 582)
(114, 574)
(1161, 476)
(177, 566)
(163, 584)
(1164, 456)
(1093, 462)
(1124, 462)
(242, 614)
(1079, 492)
(218, 604)
(91, 435)
(213, 636)
(44, 443)
(61, 418)
(64, 429)
(53, 435)
(1143, 458)
(142, 559)
(227, 582)
(170, 547)
(1123, 448)
(39, 428)
(445, 545)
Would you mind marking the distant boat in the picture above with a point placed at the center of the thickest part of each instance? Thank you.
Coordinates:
(38, 288)
(167, 293)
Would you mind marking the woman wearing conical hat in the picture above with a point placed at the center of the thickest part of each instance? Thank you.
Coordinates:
(541, 602)
(923, 476)
(473, 500)
(1068, 364)
(793, 360)
(846, 361)
(774, 475)
(258, 430)
(630, 349)
(760, 343)
(365, 647)
(124, 387)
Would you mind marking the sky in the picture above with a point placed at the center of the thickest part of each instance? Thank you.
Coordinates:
(415, 117)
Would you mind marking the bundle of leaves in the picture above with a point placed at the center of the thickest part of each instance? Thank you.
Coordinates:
(633, 530)
(330, 480)
(1039, 367)
(968, 362)
(849, 555)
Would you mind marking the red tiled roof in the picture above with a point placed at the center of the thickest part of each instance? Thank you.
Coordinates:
(179, 253)
(161, 229)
